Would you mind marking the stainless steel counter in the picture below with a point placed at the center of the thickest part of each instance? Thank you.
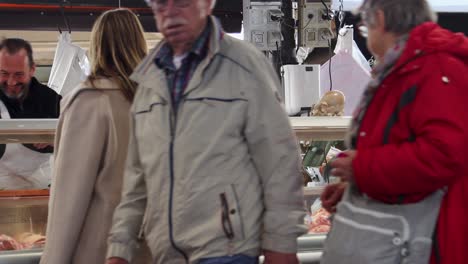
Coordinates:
(310, 243)
(309, 252)
(34, 258)
(21, 257)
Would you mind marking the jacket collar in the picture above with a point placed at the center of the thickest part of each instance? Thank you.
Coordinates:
(101, 83)
(164, 58)
(148, 74)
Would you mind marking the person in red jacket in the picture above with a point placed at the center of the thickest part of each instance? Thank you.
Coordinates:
(409, 134)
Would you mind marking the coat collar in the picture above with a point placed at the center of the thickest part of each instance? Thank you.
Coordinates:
(164, 58)
(149, 75)
(99, 84)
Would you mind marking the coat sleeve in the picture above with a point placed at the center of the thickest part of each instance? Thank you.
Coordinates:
(275, 154)
(436, 158)
(81, 144)
(128, 216)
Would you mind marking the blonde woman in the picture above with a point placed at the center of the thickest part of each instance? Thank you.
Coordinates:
(91, 144)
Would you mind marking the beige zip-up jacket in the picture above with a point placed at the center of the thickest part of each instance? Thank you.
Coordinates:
(90, 150)
(218, 176)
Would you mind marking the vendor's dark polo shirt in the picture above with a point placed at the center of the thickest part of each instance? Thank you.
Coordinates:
(40, 102)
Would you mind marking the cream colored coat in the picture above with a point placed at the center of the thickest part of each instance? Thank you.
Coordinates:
(90, 151)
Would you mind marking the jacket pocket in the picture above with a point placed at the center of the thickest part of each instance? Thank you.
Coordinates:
(151, 117)
(231, 218)
(148, 103)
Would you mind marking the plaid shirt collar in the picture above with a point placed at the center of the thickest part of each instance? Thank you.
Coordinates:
(164, 58)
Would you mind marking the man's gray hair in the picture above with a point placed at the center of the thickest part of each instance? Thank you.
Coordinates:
(401, 16)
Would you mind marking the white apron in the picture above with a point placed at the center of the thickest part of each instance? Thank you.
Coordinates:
(23, 168)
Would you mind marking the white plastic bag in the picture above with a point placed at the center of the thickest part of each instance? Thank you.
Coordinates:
(347, 44)
(350, 71)
(70, 66)
(302, 53)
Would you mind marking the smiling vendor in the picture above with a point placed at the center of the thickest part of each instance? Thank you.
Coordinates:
(24, 166)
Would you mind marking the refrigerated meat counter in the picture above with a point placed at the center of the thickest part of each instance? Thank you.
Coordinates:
(25, 212)
(23, 221)
(28, 214)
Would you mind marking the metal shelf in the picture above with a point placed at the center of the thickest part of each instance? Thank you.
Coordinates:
(320, 128)
(309, 252)
(313, 191)
(27, 130)
(21, 257)
(43, 130)
(307, 243)
(305, 257)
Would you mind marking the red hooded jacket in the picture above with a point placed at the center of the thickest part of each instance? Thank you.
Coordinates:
(413, 139)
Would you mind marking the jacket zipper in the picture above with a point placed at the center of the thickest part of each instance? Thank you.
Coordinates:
(173, 125)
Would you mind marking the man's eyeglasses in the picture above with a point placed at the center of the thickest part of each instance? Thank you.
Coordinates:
(161, 5)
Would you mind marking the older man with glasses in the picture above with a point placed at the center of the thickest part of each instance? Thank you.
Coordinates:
(213, 169)
(407, 140)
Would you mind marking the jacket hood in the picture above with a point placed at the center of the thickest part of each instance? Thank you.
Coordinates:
(429, 37)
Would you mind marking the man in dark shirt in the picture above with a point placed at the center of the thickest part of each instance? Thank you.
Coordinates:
(20, 92)
(39, 101)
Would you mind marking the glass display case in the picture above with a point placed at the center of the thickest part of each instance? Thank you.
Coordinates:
(23, 213)
(320, 139)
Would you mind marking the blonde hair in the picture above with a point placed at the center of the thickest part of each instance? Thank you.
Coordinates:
(117, 47)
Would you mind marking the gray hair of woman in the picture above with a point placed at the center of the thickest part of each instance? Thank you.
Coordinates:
(401, 16)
